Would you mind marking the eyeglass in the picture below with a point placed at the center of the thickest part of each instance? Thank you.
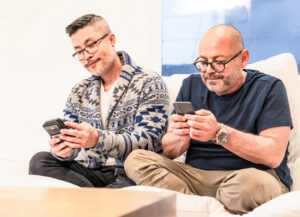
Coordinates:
(90, 48)
(217, 66)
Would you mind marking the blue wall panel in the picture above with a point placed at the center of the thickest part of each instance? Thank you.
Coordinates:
(269, 28)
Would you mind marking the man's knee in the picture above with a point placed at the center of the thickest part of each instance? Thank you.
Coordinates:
(138, 162)
(137, 156)
(36, 164)
(133, 156)
(244, 190)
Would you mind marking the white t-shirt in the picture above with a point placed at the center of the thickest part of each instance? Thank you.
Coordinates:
(105, 101)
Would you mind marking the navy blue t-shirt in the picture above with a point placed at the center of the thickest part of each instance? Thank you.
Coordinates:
(260, 103)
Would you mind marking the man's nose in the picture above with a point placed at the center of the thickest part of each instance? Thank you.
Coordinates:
(86, 59)
(210, 69)
(87, 55)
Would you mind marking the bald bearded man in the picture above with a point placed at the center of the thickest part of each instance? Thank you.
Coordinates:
(237, 140)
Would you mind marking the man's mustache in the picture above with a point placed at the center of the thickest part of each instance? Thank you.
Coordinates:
(213, 76)
(90, 62)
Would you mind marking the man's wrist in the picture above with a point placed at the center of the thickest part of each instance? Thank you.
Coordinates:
(214, 135)
(97, 135)
(222, 135)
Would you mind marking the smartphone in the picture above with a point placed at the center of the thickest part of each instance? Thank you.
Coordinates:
(54, 126)
(182, 108)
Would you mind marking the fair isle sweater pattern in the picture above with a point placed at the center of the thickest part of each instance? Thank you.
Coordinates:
(137, 116)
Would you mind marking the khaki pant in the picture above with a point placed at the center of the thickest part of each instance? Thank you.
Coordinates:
(239, 191)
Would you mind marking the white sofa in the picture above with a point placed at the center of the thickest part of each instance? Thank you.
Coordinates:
(284, 66)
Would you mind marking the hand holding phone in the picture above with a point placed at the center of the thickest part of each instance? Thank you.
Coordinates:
(53, 128)
(182, 108)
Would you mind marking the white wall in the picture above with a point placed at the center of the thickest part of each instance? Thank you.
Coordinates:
(36, 67)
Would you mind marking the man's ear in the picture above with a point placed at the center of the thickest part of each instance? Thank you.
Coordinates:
(245, 58)
(112, 39)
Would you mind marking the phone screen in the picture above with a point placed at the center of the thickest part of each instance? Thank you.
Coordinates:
(182, 108)
(54, 126)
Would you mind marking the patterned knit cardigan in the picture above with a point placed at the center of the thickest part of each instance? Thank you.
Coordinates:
(137, 116)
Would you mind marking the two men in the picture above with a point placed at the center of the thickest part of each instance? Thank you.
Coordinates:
(236, 143)
(121, 107)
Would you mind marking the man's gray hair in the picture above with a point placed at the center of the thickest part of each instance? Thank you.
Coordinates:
(86, 20)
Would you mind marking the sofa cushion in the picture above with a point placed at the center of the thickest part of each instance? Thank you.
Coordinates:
(191, 205)
(284, 67)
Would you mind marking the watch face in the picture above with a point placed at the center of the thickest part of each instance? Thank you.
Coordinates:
(222, 137)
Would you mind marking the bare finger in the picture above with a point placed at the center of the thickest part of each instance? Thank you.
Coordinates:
(54, 141)
(181, 132)
(203, 112)
(73, 145)
(58, 147)
(180, 125)
(75, 125)
(66, 152)
(67, 138)
(196, 124)
(178, 118)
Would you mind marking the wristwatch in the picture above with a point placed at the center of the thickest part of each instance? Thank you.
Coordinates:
(222, 135)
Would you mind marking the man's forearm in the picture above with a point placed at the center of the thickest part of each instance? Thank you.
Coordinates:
(174, 145)
(268, 148)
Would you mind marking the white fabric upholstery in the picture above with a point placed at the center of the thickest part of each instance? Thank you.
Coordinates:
(286, 205)
(191, 206)
(284, 66)
(198, 206)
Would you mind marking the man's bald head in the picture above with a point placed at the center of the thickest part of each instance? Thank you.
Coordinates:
(223, 45)
(223, 36)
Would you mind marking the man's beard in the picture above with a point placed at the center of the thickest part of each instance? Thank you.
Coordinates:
(107, 64)
(226, 83)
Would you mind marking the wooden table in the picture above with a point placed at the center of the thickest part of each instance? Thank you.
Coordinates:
(84, 202)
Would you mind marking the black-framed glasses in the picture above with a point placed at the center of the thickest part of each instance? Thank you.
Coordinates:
(90, 48)
(217, 66)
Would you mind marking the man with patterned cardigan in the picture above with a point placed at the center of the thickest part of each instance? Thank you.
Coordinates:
(121, 107)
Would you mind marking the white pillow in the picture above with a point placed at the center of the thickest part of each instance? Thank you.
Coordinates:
(286, 205)
(284, 67)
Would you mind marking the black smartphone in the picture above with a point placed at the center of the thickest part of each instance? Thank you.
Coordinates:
(182, 108)
(54, 126)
